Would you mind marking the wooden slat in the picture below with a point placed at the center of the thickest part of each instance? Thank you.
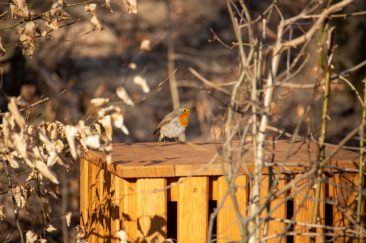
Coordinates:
(93, 169)
(345, 203)
(303, 208)
(151, 209)
(101, 212)
(227, 223)
(117, 205)
(178, 159)
(193, 209)
(128, 215)
(104, 205)
(84, 193)
(275, 208)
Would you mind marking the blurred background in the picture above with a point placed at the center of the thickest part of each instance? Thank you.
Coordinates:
(76, 63)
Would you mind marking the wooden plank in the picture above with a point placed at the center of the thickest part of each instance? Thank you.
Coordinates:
(104, 205)
(227, 223)
(173, 192)
(84, 193)
(179, 159)
(275, 208)
(92, 203)
(117, 204)
(100, 208)
(128, 215)
(304, 197)
(151, 209)
(193, 209)
(345, 199)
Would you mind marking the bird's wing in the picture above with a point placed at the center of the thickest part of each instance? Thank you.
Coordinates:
(166, 120)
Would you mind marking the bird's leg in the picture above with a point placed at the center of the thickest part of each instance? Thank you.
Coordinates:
(161, 137)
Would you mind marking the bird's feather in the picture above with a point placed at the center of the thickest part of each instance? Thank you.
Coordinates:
(168, 118)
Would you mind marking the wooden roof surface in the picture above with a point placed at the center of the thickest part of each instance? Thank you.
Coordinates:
(184, 159)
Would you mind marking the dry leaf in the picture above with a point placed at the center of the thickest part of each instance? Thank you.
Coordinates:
(68, 218)
(2, 213)
(92, 10)
(51, 228)
(80, 233)
(31, 237)
(122, 236)
(99, 101)
(27, 38)
(13, 108)
(59, 146)
(117, 118)
(131, 6)
(145, 45)
(106, 111)
(20, 195)
(53, 24)
(108, 5)
(51, 160)
(70, 133)
(2, 49)
(107, 124)
(56, 15)
(47, 173)
(13, 162)
(122, 94)
(94, 20)
(97, 128)
(93, 142)
(20, 145)
(19, 8)
(7, 127)
(142, 83)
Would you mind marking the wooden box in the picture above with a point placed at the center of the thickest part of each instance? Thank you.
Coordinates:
(156, 191)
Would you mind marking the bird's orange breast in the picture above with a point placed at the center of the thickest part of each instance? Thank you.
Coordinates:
(183, 119)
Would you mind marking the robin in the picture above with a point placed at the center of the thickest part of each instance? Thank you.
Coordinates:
(173, 125)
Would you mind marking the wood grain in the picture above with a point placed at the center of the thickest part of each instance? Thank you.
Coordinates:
(345, 203)
(93, 202)
(151, 209)
(303, 209)
(193, 209)
(186, 159)
(128, 214)
(227, 222)
(84, 193)
(117, 205)
(275, 208)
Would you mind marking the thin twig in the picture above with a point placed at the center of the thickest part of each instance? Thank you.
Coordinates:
(171, 60)
(16, 208)
(311, 32)
(360, 204)
(326, 65)
(29, 106)
(350, 70)
(208, 82)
